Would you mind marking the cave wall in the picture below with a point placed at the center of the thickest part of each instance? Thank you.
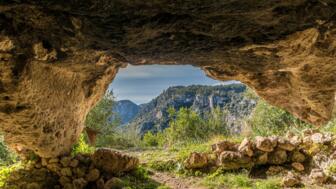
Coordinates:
(58, 57)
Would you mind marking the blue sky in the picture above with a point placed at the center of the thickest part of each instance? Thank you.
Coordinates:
(143, 83)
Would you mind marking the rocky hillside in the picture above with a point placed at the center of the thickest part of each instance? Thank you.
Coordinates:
(153, 116)
(126, 110)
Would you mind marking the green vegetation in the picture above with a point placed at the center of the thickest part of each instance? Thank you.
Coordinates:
(187, 126)
(6, 156)
(239, 180)
(82, 147)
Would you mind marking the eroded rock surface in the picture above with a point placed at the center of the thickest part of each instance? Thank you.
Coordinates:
(57, 57)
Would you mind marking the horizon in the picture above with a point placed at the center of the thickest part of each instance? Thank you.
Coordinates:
(141, 84)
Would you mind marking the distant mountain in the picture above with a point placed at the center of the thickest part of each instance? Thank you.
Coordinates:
(153, 116)
(126, 110)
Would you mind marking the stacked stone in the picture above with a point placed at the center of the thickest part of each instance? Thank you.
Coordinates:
(263, 150)
(314, 149)
(90, 171)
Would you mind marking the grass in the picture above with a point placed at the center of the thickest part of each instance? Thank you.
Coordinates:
(239, 180)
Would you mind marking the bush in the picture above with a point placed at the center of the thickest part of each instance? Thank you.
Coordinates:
(150, 139)
(82, 147)
(269, 120)
(6, 156)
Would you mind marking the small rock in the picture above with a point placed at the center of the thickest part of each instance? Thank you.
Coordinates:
(285, 145)
(74, 163)
(6, 45)
(79, 183)
(298, 157)
(65, 161)
(298, 166)
(264, 144)
(196, 160)
(93, 175)
(100, 183)
(53, 160)
(262, 159)
(79, 171)
(245, 147)
(275, 170)
(54, 167)
(317, 138)
(44, 162)
(33, 185)
(114, 183)
(318, 176)
(66, 172)
(277, 157)
(296, 140)
(291, 180)
(274, 140)
(63, 180)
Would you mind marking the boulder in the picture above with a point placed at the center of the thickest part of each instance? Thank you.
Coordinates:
(113, 162)
(277, 157)
(317, 176)
(291, 180)
(246, 147)
(196, 161)
(234, 160)
(264, 144)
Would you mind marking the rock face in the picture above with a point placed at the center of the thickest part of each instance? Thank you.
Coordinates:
(126, 110)
(57, 57)
(154, 116)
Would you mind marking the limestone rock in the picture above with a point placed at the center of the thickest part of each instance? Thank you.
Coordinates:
(285, 145)
(264, 144)
(66, 172)
(224, 146)
(67, 47)
(234, 160)
(74, 163)
(65, 161)
(6, 45)
(93, 175)
(196, 161)
(262, 159)
(33, 185)
(298, 166)
(318, 176)
(79, 183)
(291, 180)
(113, 162)
(246, 147)
(275, 170)
(277, 157)
(114, 183)
(297, 156)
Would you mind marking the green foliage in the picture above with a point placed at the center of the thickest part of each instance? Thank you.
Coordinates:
(6, 156)
(269, 120)
(187, 126)
(99, 119)
(6, 171)
(82, 147)
(150, 139)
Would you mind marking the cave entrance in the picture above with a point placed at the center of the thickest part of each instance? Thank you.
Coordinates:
(144, 101)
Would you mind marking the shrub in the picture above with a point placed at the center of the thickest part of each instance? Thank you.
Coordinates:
(150, 139)
(269, 120)
(82, 147)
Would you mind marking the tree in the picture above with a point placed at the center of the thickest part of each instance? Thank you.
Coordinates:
(102, 120)
(270, 120)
